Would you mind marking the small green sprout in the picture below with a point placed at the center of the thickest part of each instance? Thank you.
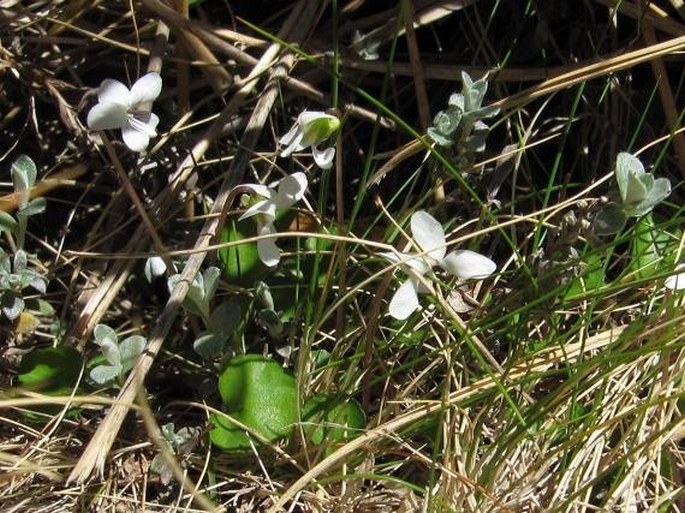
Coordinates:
(639, 193)
(120, 357)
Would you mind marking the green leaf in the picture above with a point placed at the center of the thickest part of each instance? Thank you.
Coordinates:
(263, 295)
(639, 191)
(106, 338)
(7, 223)
(105, 373)
(43, 308)
(20, 260)
(130, 349)
(270, 320)
(336, 421)
(609, 221)
(35, 281)
(241, 263)
(23, 173)
(211, 282)
(628, 171)
(225, 319)
(591, 277)
(103, 332)
(659, 191)
(259, 393)
(209, 345)
(194, 300)
(648, 248)
(33, 207)
(51, 370)
(12, 304)
(437, 136)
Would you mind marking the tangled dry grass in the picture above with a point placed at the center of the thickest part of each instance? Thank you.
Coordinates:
(581, 409)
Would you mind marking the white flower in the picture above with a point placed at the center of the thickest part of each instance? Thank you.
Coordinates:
(430, 237)
(290, 190)
(121, 108)
(311, 129)
(676, 281)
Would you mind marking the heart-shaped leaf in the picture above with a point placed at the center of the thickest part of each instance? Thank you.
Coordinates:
(333, 420)
(50, 370)
(241, 263)
(259, 393)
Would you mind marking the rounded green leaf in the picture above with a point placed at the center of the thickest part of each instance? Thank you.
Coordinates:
(659, 191)
(241, 264)
(50, 370)
(334, 420)
(130, 349)
(259, 393)
(104, 373)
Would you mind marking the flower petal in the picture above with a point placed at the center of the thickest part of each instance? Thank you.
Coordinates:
(292, 140)
(146, 89)
(262, 190)
(306, 117)
(428, 234)
(113, 91)
(415, 262)
(317, 126)
(265, 208)
(404, 301)
(677, 281)
(134, 138)
(466, 265)
(268, 252)
(107, 116)
(291, 190)
(324, 158)
(145, 122)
